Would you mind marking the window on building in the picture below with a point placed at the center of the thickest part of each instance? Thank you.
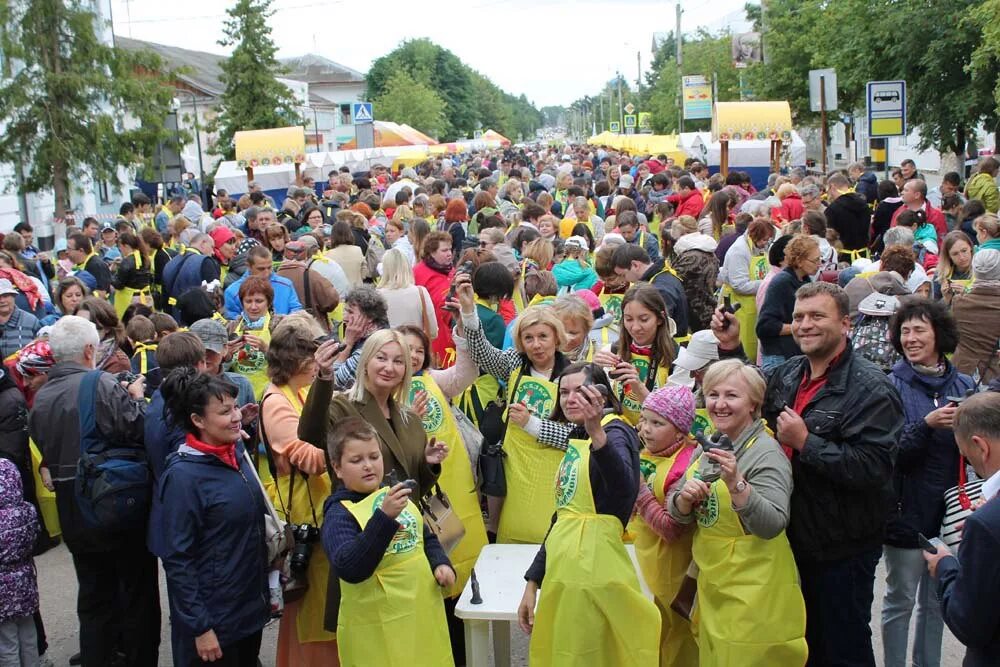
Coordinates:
(104, 192)
(345, 115)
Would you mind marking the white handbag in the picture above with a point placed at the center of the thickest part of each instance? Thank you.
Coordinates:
(277, 533)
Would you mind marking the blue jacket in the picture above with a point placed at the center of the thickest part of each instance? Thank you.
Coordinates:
(927, 463)
(186, 271)
(285, 298)
(867, 185)
(212, 550)
(968, 588)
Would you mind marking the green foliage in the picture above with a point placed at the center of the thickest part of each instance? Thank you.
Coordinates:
(471, 100)
(253, 99)
(553, 115)
(705, 54)
(406, 100)
(65, 96)
(929, 44)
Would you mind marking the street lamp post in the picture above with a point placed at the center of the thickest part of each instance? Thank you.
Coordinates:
(197, 137)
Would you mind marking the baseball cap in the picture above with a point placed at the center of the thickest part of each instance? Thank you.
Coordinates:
(577, 242)
(702, 349)
(6, 287)
(212, 333)
(626, 181)
(108, 227)
(294, 249)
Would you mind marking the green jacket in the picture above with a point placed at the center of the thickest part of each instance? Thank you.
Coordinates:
(983, 187)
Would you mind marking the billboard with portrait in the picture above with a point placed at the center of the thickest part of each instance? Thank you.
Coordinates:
(746, 49)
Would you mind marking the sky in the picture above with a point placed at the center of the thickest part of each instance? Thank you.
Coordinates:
(553, 51)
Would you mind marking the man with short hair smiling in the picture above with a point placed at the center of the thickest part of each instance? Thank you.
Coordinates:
(968, 586)
(914, 196)
(839, 419)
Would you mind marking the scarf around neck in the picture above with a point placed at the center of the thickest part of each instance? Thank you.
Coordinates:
(225, 453)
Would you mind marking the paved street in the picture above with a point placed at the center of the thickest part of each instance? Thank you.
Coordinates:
(57, 585)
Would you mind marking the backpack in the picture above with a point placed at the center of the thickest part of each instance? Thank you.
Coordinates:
(373, 257)
(870, 338)
(113, 485)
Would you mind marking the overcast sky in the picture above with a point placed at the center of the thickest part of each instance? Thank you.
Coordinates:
(553, 51)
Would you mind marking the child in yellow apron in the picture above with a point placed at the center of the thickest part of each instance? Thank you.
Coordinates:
(747, 314)
(750, 607)
(391, 567)
(662, 547)
(591, 610)
(529, 466)
(132, 281)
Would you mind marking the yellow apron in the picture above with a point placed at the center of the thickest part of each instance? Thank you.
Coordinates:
(141, 349)
(664, 564)
(46, 499)
(455, 480)
(612, 304)
(747, 314)
(306, 501)
(591, 610)
(631, 405)
(126, 296)
(529, 466)
(396, 616)
(250, 362)
(750, 607)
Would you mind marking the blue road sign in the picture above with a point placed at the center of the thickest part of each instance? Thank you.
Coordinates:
(362, 112)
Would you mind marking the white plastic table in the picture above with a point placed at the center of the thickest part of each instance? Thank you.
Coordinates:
(500, 571)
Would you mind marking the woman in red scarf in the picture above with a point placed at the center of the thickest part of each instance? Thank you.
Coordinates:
(434, 272)
(212, 546)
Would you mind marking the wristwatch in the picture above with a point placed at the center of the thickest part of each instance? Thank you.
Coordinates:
(741, 486)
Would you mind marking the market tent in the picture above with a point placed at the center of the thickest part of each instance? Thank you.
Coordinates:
(493, 135)
(388, 133)
(409, 158)
(601, 139)
(642, 144)
(768, 125)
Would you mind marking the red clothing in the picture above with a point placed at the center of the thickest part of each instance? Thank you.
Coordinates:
(934, 216)
(655, 166)
(791, 209)
(507, 311)
(437, 285)
(225, 453)
(690, 205)
(808, 389)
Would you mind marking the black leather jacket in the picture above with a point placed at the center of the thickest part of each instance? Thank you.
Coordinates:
(843, 476)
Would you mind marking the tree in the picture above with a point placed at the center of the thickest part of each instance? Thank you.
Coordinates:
(72, 106)
(405, 100)
(254, 99)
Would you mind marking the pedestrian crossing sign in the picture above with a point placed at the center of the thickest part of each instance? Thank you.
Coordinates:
(363, 112)
(616, 126)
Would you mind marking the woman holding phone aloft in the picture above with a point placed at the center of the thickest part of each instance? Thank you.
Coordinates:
(750, 607)
(591, 609)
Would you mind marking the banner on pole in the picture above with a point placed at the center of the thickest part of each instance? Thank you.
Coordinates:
(697, 101)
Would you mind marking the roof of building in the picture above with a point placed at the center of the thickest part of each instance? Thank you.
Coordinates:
(312, 68)
(202, 71)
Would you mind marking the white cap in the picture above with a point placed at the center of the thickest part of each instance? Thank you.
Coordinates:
(702, 349)
(577, 241)
(6, 287)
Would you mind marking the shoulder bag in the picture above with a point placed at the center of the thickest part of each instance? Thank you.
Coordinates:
(439, 517)
(493, 425)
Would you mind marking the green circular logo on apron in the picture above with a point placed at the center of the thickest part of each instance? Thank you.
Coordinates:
(249, 360)
(628, 401)
(648, 471)
(701, 424)
(708, 511)
(566, 479)
(434, 416)
(535, 396)
(405, 538)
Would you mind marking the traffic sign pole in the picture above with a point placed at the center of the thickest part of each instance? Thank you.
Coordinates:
(822, 118)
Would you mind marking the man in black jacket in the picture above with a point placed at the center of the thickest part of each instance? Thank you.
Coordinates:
(969, 586)
(847, 212)
(632, 262)
(841, 418)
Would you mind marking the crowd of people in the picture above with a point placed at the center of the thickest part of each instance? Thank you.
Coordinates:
(766, 389)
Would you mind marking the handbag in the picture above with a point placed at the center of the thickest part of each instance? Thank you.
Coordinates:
(959, 502)
(492, 478)
(471, 438)
(441, 519)
(277, 533)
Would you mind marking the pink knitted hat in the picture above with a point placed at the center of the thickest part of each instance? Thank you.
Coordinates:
(674, 403)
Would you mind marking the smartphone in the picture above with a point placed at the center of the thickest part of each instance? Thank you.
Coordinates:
(467, 268)
(927, 545)
(410, 484)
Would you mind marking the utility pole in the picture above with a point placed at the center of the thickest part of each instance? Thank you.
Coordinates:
(678, 44)
(638, 79)
(621, 109)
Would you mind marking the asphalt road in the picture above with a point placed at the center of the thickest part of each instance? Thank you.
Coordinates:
(57, 586)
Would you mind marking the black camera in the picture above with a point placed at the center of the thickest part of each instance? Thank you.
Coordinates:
(728, 307)
(128, 377)
(305, 536)
(467, 268)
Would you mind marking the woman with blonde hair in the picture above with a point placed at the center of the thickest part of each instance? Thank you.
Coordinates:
(954, 269)
(419, 229)
(408, 303)
(293, 357)
(737, 496)
(987, 228)
(530, 370)
(536, 255)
